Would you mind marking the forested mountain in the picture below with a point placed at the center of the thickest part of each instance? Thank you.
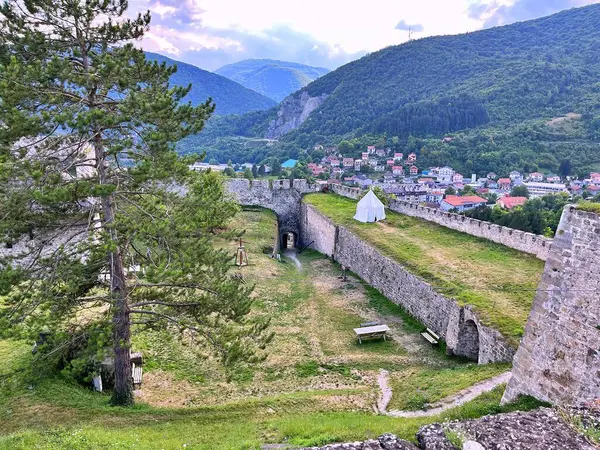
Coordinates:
(271, 78)
(496, 90)
(230, 97)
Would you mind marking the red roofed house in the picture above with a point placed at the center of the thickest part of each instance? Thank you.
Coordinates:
(509, 202)
(371, 149)
(348, 162)
(462, 203)
(412, 158)
(504, 183)
(414, 170)
(390, 162)
(457, 178)
(398, 155)
(316, 171)
(365, 156)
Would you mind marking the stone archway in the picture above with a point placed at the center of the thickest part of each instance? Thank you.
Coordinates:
(468, 340)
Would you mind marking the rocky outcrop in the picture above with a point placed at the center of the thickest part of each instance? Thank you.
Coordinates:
(541, 429)
(384, 442)
(292, 112)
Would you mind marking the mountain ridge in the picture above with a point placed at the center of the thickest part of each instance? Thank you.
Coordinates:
(270, 77)
(229, 96)
(494, 89)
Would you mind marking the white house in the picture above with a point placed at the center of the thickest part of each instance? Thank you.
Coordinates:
(445, 174)
(514, 175)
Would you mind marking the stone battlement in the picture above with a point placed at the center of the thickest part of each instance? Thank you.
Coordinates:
(243, 186)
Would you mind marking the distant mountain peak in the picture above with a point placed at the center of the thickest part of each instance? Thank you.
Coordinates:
(229, 96)
(270, 77)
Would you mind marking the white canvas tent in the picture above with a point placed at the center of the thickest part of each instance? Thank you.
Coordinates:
(370, 209)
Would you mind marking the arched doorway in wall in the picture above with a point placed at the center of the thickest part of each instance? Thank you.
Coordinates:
(289, 239)
(468, 340)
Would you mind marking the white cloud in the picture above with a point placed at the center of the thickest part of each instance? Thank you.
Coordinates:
(155, 43)
(324, 32)
(162, 10)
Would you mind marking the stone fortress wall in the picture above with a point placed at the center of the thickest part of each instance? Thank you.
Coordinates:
(526, 242)
(460, 327)
(559, 356)
(281, 196)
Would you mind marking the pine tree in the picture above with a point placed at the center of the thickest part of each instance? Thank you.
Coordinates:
(99, 212)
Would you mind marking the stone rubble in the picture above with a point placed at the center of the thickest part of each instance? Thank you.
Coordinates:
(541, 429)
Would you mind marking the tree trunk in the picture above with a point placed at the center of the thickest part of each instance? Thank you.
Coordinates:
(123, 388)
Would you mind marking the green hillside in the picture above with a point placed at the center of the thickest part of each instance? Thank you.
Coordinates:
(271, 78)
(230, 97)
(495, 90)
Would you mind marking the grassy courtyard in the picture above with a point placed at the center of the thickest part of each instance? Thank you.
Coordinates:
(498, 281)
(317, 385)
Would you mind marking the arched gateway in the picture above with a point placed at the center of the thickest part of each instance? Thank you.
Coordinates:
(281, 196)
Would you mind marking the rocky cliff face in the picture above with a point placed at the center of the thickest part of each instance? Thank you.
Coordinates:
(292, 112)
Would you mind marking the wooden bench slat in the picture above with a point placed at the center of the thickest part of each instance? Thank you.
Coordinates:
(433, 334)
(136, 374)
(429, 338)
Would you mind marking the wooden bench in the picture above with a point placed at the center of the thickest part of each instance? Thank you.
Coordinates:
(136, 374)
(431, 336)
(372, 332)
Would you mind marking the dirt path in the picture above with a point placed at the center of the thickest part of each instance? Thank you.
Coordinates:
(464, 396)
(386, 391)
(291, 253)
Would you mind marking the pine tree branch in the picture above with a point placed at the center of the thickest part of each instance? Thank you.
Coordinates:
(161, 303)
(175, 285)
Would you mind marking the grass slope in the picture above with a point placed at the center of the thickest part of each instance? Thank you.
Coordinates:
(498, 281)
(316, 386)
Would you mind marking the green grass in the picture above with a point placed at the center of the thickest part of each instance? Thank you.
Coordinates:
(417, 387)
(246, 425)
(498, 281)
(589, 206)
(385, 306)
(316, 386)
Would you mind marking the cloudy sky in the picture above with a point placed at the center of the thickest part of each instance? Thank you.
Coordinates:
(327, 33)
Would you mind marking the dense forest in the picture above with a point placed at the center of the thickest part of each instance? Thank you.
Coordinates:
(498, 90)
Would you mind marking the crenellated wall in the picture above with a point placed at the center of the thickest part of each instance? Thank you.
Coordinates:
(520, 240)
(559, 356)
(440, 313)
